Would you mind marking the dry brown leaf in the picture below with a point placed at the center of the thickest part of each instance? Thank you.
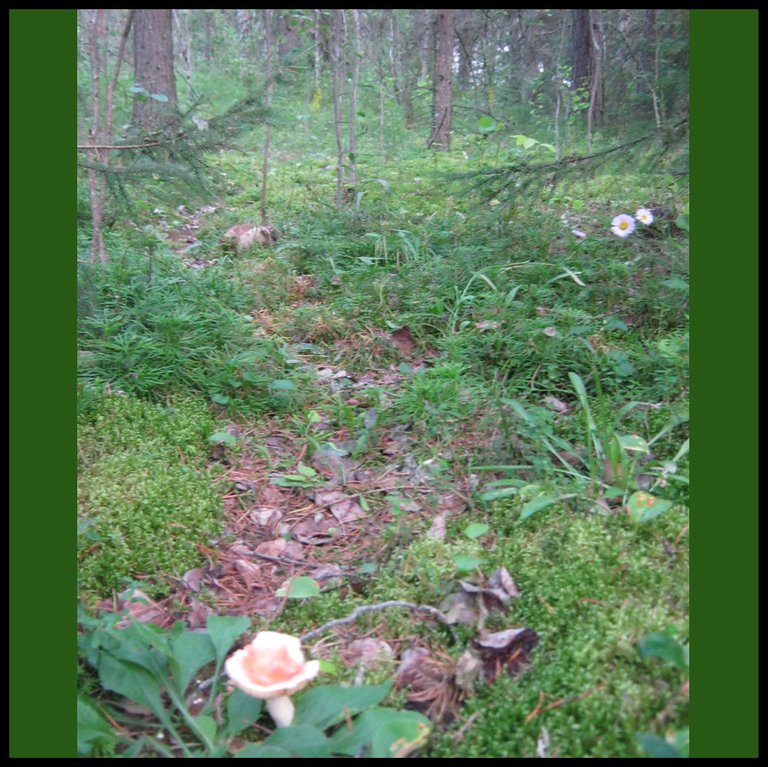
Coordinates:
(273, 548)
(266, 516)
(249, 571)
(368, 652)
(347, 511)
(508, 649)
(403, 339)
(314, 531)
(437, 528)
(191, 579)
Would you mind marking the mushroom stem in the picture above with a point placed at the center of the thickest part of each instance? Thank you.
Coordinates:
(281, 710)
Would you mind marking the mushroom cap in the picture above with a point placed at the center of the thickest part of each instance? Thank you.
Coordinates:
(271, 666)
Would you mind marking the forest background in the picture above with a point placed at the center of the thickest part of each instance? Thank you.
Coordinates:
(723, 119)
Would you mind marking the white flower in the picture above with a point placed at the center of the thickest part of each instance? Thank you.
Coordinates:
(623, 225)
(272, 668)
(644, 216)
(578, 233)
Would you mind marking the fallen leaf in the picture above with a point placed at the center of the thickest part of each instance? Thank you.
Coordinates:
(368, 652)
(191, 579)
(248, 570)
(329, 497)
(437, 528)
(273, 548)
(403, 339)
(347, 511)
(266, 516)
(508, 649)
(314, 532)
(557, 405)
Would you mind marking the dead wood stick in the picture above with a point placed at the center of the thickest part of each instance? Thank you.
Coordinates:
(358, 611)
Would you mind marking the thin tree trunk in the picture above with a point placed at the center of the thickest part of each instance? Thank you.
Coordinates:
(559, 89)
(336, 32)
(101, 129)
(441, 109)
(268, 99)
(353, 99)
(382, 137)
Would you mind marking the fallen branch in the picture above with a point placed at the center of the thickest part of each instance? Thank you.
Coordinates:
(358, 611)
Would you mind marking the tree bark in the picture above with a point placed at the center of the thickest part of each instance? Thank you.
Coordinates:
(440, 139)
(352, 142)
(153, 59)
(337, 30)
(267, 99)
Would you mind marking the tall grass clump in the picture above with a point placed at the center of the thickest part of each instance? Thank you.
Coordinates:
(150, 326)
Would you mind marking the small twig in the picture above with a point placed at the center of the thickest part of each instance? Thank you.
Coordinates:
(358, 611)
(459, 736)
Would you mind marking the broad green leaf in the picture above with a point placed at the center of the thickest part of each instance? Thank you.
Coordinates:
(487, 124)
(92, 727)
(682, 221)
(643, 506)
(676, 283)
(655, 746)
(256, 751)
(399, 736)
(537, 504)
(476, 529)
(660, 645)
(283, 384)
(365, 727)
(161, 97)
(502, 492)
(634, 443)
(300, 740)
(465, 563)
(322, 707)
(306, 471)
(222, 438)
(224, 631)
(207, 726)
(242, 711)
(191, 651)
(131, 680)
(219, 399)
(301, 587)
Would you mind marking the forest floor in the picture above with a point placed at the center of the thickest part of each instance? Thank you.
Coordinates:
(368, 490)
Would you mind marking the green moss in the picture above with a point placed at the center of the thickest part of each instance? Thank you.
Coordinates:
(591, 587)
(145, 497)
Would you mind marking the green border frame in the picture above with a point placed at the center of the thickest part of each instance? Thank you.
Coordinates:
(42, 82)
(42, 466)
(724, 375)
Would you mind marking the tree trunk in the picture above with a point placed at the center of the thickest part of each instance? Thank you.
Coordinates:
(352, 143)
(267, 99)
(441, 102)
(101, 127)
(581, 41)
(337, 30)
(153, 59)
(587, 59)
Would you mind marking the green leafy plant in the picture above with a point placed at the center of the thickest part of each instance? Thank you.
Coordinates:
(160, 670)
(666, 648)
